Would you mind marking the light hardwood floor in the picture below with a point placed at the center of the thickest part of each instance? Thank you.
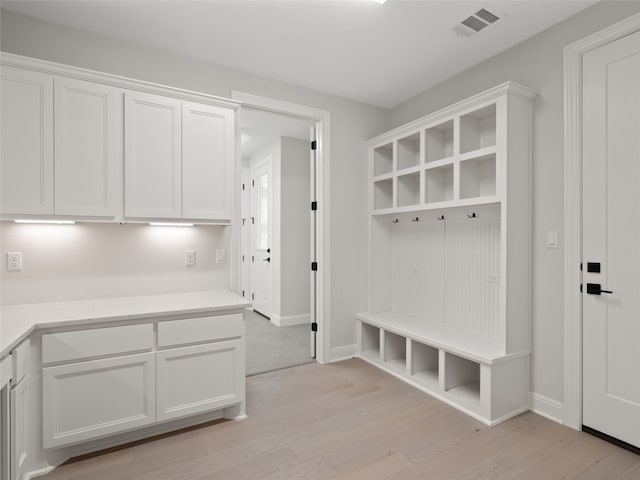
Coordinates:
(351, 421)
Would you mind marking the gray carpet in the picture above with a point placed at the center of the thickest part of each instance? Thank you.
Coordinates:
(273, 348)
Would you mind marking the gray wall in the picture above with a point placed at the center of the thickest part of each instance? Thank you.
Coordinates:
(351, 124)
(538, 64)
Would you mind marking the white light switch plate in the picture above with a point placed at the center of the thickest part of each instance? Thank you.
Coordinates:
(552, 239)
(220, 256)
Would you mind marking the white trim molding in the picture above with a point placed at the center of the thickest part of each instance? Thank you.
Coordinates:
(344, 353)
(546, 407)
(289, 320)
(573, 210)
(321, 119)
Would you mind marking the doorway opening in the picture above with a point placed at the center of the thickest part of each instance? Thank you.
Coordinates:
(277, 238)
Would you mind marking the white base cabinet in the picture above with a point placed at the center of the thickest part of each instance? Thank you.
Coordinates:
(88, 400)
(199, 378)
(19, 429)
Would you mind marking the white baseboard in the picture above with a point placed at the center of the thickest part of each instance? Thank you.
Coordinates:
(547, 407)
(343, 353)
(288, 320)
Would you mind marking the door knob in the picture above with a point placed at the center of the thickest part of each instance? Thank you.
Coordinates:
(596, 289)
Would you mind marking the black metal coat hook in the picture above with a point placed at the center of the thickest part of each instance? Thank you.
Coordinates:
(473, 215)
(416, 219)
(395, 220)
(441, 217)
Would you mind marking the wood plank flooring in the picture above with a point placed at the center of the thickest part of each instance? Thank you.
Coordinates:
(351, 421)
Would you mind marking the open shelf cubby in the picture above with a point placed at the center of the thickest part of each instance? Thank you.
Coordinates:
(383, 194)
(383, 160)
(439, 142)
(462, 379)
(424, 364)
(439, 184)
(409, 189)
(478, 129)
(478, 177)
(395, 351)
(370, 341)
(409, 151)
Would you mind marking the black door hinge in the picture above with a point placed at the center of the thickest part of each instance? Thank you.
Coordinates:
(243, 293)
(243, 186)
(580, 266)
(580, 288)
(253, 296)
(243, 260)
(314, 206)
(314, 266)
(314, 327)
(253, 183)
(314, 145)
(253, 259)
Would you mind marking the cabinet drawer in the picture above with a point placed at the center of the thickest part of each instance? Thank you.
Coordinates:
(20, 357)
(68, 346)
(202, 329)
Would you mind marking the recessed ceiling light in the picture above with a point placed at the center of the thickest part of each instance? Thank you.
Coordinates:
(381, 2)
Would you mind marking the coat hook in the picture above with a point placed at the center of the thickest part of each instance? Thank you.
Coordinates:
(441, 217)
(416, 219)
(395, 220)
(473, 215)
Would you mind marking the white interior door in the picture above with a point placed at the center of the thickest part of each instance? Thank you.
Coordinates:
(611, 236)
(314, 241)
(261, 237)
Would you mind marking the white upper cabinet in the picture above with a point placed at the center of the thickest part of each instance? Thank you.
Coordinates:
(88, 148)
(207, 160)
(26, 158)
(153, 151)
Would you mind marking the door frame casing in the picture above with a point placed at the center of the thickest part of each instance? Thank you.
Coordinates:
(573, 210)
(321, 119)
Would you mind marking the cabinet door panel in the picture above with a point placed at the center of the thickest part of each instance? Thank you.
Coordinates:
(26, 142)
(199, 378)
(207, 161)
(152, 156)
(88, 148)
(88, 400)
(19, 428)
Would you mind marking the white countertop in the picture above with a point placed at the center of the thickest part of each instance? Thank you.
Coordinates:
(18, 321)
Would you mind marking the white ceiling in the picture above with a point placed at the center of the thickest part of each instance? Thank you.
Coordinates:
(260, 128)
(377, 54)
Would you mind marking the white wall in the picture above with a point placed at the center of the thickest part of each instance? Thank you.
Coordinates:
(295, 237)
(536, 63)
(74, 262)
(351, 124)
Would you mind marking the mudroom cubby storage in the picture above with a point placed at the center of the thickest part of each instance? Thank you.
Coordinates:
(449, 281)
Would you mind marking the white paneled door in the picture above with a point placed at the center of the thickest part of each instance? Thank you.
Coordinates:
(261, 237)
(611, 236)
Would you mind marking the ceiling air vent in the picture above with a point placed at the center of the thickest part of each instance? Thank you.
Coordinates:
(476, 22)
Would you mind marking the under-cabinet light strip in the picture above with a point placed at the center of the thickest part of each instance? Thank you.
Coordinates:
(170, 224)
(52, 222)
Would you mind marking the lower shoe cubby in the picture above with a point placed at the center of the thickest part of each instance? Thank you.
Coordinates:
(462, 380)
(370, 341)
(425, 364)
(395, 351)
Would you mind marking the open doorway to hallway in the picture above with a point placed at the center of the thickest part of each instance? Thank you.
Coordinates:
(276, 238)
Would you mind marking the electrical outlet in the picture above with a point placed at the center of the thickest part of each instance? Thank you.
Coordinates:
(189, 258)
(220, 256)
(14, 261)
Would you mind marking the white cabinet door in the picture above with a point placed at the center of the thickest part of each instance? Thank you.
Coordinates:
(199, 378)
(88, 148)
(88, 400)
(26, 142)
(153, 180)
(19, 438)
(207, 161)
